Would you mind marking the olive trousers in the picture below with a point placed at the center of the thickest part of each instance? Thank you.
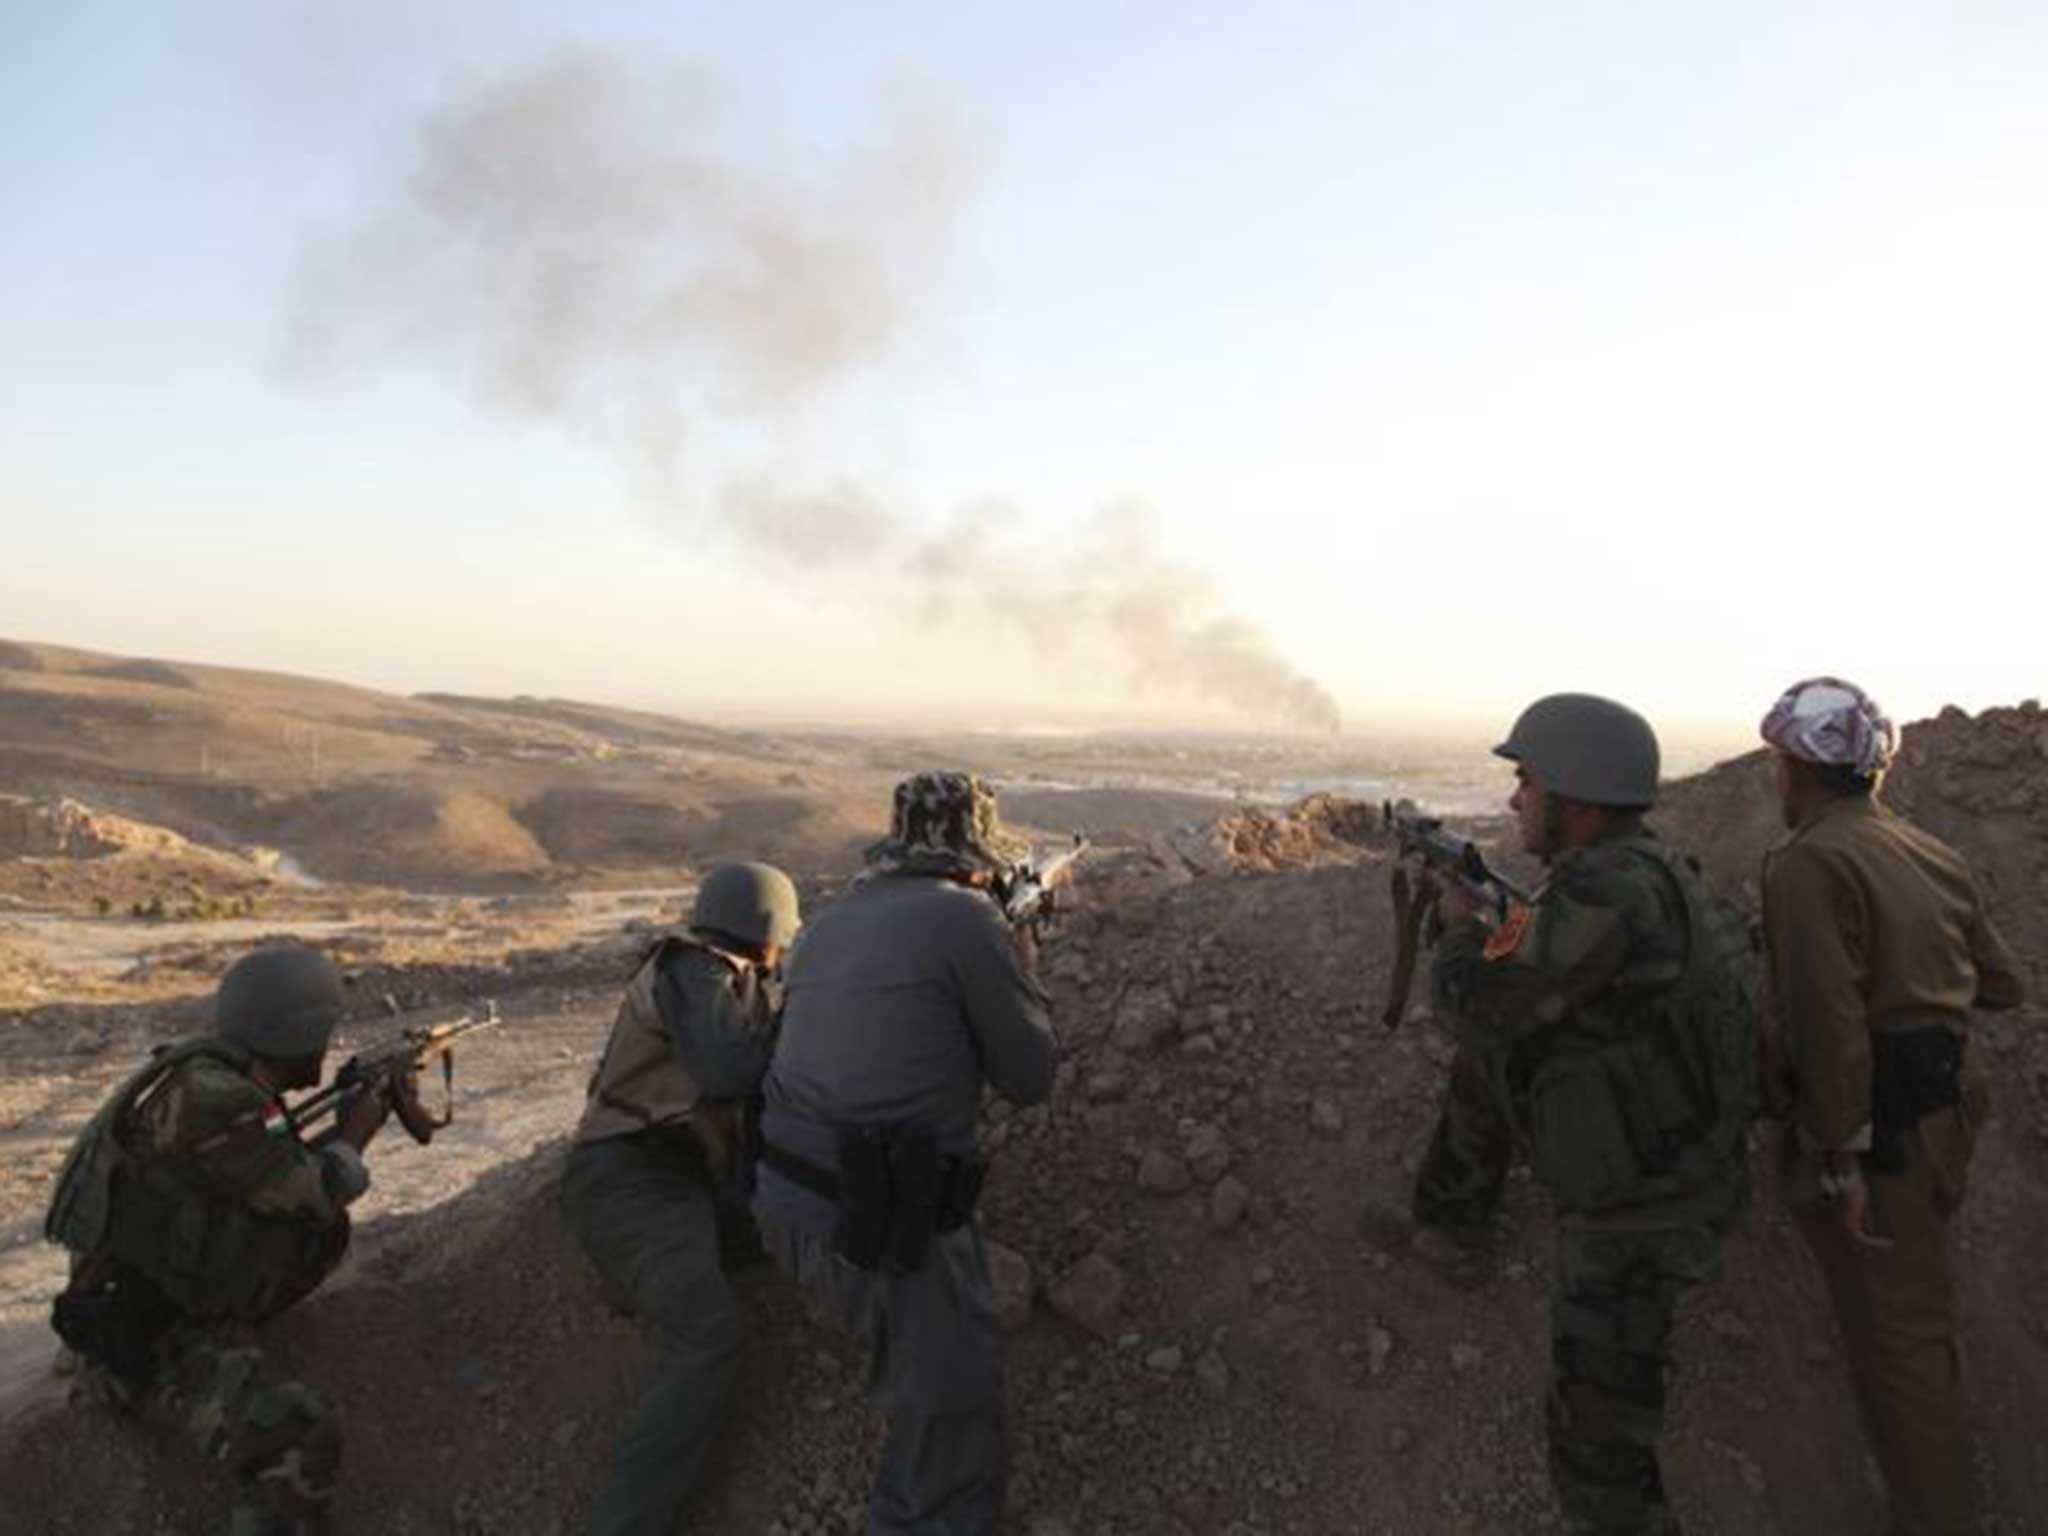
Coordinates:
(645, 1211)
(1897, 1314)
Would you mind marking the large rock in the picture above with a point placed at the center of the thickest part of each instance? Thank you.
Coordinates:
(1161, 1173)
(1091, 1294)
(1208, 1153)
(64, 828)
(1228, 1202)
(1009, 1274)
(1147, 1020)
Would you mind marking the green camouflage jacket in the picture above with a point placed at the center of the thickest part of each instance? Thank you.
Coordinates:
(1626, 1065)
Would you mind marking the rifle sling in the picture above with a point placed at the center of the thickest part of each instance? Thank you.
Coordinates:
(1409, 912)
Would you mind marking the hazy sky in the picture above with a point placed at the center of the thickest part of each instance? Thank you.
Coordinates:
(1095, 360)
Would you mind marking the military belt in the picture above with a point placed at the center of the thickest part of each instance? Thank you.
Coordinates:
(959, 1186)
(1905, 1021)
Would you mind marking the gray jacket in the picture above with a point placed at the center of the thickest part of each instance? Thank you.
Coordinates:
(901, 1000)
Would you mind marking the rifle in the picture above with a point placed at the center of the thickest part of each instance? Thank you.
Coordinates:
(379, 1069)
(1028, 890)
(1450, 856)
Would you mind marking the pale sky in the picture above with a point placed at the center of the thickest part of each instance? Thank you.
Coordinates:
(1468, 351)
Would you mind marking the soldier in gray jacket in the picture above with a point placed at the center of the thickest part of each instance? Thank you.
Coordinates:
(903, 1000)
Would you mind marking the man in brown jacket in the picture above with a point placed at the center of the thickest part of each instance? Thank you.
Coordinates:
(1879, 948)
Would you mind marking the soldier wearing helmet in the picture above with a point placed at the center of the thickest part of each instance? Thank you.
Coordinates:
(906, 998)
(1609, 1029)
(652, 1187)
(194, 1213)
(1880, 946)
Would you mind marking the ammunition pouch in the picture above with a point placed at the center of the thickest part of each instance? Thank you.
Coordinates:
(1623, 1122)
(114, 1321)
(1579, 1141)
(1912, 1074)
(214, 1258)
(1648, 1095)
(893, 1193)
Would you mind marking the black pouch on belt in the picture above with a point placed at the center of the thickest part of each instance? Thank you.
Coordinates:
(860, 1234)
(918, 1181)
(962, 1192)
(114, 1323)
(1912, 1074)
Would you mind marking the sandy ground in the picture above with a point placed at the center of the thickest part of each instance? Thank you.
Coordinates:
(50, 957)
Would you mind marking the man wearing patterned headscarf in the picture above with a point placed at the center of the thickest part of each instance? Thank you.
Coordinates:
(906, 997)
(1879, 948)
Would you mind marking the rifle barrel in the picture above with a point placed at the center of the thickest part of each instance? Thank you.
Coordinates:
(414, 1046)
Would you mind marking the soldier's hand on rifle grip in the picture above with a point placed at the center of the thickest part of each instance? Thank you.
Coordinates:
(404, 1096)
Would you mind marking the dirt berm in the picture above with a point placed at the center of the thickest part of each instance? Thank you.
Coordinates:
(1210, 1341)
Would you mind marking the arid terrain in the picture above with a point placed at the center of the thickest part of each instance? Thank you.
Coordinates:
(1218, 1326)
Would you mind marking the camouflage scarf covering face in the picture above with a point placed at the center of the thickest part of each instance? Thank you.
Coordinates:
(943, 824)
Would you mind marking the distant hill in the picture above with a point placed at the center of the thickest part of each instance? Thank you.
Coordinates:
(435, 791)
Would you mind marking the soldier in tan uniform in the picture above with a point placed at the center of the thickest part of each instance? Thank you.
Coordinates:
(1879, 948)
(650, 1188)
(195, 1213)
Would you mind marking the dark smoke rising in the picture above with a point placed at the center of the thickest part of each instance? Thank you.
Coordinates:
(1112, 595)
(580, 245)
(1112, 592)
(592, 247)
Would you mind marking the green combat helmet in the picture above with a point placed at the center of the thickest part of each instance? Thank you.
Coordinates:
(282, 1001)
(1587, 748)
(754, 903)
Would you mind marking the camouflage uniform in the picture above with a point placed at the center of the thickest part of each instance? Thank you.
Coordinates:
(1580, 1038)
(279, 1437)
(278, 1215)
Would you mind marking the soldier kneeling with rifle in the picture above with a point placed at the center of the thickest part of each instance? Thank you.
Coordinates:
(196, 1211)
(652, 1188)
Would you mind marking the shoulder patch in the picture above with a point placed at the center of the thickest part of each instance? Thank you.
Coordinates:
(1507, 938)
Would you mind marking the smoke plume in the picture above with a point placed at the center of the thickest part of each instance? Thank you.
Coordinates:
(611, 252)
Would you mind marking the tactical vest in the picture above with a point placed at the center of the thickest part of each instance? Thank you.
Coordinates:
(641, 1084)
(209, 1254)
(1645, 1096)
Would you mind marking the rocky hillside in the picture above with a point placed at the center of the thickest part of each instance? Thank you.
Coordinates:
(1218, 1325)
(435, 792)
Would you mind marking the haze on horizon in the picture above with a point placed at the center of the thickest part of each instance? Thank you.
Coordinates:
(1176, 366)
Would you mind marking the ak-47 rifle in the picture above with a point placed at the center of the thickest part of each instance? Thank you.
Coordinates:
(1029, 890)
(1450, 857)
(381, 1069)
